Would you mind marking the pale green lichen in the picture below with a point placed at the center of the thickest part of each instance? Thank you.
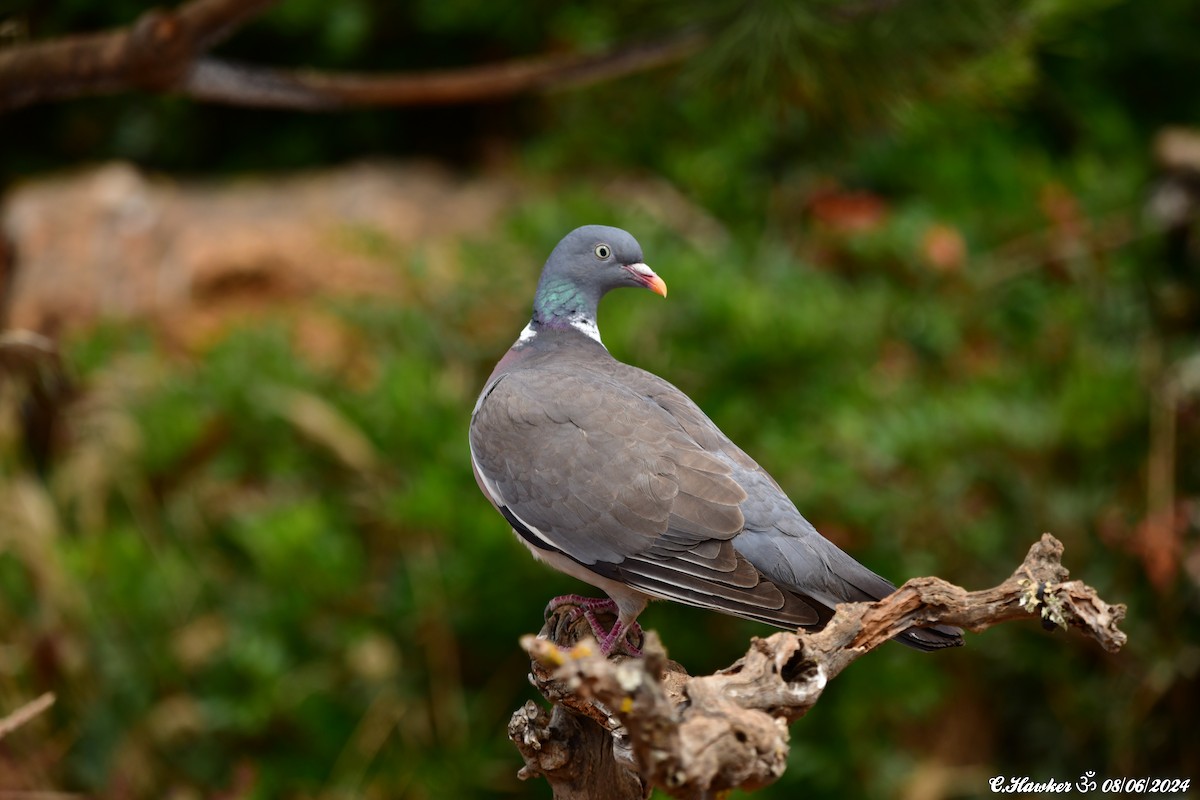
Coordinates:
(1049, 604)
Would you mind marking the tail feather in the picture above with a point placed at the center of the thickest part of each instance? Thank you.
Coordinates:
(814, 568)
(875, 587)
(936, 637)
(927, 640)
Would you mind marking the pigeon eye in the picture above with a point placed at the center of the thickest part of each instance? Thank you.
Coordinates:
(603, 251)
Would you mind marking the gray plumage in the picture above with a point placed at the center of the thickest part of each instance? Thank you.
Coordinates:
(613, 475)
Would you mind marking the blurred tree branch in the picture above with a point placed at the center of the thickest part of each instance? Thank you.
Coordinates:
(165, 51)
(621, 727)
(156, 53)
(25, 713)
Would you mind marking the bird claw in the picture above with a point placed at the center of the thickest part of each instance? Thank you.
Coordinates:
(618, 638)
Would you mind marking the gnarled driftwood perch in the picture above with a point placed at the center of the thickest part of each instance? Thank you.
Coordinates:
(620, 727)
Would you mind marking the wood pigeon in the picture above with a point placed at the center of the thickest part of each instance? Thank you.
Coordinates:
(612, 475)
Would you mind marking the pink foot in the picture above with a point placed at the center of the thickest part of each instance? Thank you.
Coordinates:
(617, 637)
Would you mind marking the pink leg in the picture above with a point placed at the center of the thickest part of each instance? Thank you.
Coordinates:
(609, 639)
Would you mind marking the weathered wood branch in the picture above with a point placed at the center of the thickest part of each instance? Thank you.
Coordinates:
(165, 51)
(696, 736)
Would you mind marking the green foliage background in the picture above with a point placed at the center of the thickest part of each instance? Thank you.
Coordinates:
(327, 608)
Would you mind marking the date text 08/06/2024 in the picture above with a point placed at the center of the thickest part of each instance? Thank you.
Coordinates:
(1088, 783)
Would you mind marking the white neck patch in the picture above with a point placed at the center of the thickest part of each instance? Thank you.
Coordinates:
(585, 326)
(588, 328)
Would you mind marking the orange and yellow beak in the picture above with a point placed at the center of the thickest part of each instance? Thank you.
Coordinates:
(646, 277)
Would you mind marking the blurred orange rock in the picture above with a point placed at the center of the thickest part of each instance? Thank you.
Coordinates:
(115, 242)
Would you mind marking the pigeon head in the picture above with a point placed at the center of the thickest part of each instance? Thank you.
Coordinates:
(581, 269)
